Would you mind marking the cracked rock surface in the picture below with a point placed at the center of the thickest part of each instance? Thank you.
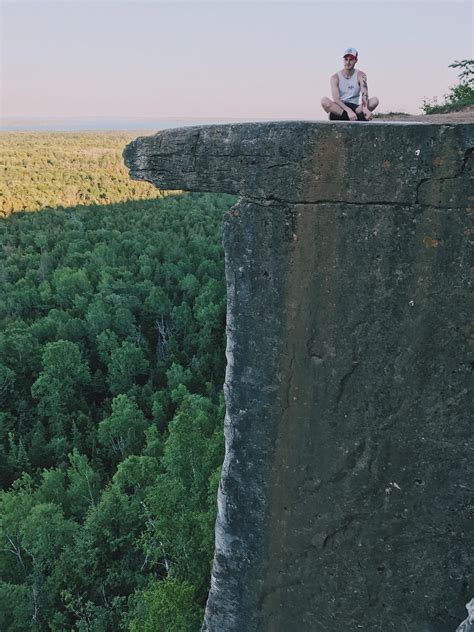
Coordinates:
(345, 491)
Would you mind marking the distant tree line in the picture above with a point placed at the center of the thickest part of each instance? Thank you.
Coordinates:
(40, 170)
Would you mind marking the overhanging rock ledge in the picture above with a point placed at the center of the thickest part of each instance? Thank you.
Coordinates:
(347, 483)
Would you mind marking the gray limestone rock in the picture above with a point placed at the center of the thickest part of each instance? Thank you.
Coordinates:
(468, 624)
(346, 489)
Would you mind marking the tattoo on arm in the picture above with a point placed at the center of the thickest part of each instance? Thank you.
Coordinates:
(365, 92)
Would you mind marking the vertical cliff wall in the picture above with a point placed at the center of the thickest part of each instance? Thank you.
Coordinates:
(345, 496)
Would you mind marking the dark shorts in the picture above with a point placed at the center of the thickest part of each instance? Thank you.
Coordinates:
(343, 116)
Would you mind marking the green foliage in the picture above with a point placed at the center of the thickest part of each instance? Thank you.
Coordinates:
(168, 606)
(71, 286)
(127, 363)
(180, 510)
(83, 485)
(459, 95)
(51, 169)
(16, 607)
(7, 382)
(466, 75)
(112, 346)
(58, 386)
(124, 431)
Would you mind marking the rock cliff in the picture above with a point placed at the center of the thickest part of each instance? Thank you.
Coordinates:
(345, 496)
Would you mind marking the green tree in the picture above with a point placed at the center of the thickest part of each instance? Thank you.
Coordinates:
(45, 535)
(182, 512)
(59, 386)
(460, 95)
(69, 285)
(7, 381)
(98, 316)
(167, 606)
(16, 607)
(20, 350)
(124, 431)
(127, 364)
(83, 485)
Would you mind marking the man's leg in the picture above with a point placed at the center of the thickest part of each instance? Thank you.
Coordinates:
(332, 108)
(372, 104)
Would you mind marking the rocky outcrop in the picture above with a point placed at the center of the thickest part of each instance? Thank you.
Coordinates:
(468, 624)
(344, 499)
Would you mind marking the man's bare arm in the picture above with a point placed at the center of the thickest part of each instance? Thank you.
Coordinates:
(336, 97)
(364, 91)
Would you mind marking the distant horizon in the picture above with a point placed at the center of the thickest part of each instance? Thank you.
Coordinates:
(129, 123)
(119, 124)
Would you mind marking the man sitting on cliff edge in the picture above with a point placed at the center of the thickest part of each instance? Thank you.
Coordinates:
(347, 86)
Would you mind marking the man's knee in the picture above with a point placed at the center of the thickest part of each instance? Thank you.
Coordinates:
(373, 102)
(325, 103)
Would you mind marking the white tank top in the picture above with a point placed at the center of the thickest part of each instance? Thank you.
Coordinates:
(349, 89)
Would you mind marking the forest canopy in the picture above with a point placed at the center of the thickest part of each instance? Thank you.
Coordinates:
(111, 369)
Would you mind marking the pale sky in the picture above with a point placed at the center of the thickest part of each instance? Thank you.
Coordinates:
(259, 59)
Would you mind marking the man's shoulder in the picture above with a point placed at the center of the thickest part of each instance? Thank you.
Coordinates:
(335, 76)
(361, 75)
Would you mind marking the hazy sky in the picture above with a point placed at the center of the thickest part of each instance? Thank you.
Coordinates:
(259, 59)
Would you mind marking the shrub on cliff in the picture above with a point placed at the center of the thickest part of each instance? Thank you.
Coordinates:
(460, 95)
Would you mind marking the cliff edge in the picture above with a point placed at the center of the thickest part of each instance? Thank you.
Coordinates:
(346, 493)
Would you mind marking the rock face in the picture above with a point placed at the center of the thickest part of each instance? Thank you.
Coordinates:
(345, 493)
(468, 624)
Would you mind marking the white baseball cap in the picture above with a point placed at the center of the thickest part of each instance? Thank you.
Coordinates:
(351, 51)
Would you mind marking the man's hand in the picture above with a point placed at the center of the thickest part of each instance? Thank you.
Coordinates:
(352, 115)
